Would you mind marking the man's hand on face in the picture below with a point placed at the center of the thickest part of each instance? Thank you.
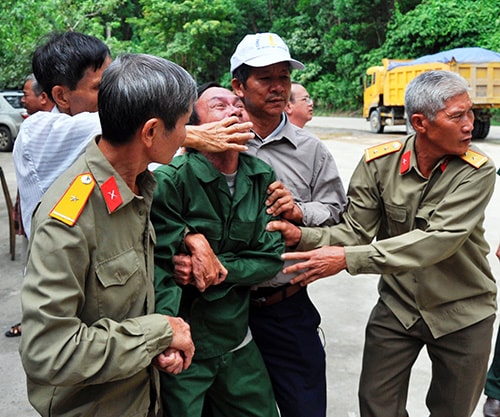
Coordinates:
(221, 136)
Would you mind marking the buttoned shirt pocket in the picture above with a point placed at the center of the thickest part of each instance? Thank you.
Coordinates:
(396, 219)
(118, 290)
(212, 229)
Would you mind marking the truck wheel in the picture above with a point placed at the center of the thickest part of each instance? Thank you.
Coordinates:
(375, 122)
(6, 142)
(481, 129)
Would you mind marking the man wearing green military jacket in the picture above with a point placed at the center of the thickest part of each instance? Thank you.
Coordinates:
(221, 198)
(423, 200)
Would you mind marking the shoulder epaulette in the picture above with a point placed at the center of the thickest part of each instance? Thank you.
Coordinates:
(71, 204)
(380, 150)
(474, 158)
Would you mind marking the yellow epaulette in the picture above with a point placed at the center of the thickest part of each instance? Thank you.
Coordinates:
(475, 159)
(380, 150)
(71, 204)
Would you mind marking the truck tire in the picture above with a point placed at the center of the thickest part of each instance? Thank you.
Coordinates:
(6, 142)
(481, 129)
(376, 125)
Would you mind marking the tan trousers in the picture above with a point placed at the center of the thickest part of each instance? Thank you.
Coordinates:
(459, 365)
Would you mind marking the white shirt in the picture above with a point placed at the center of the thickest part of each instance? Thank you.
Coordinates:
(47, 144)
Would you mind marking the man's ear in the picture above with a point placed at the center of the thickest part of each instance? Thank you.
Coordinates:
(237, 87)
(288, 108)
(44, 98)
(150, 130)
(61, 95)
(419, 122)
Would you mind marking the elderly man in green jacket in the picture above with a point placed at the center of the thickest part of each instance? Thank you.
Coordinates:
(219, 197)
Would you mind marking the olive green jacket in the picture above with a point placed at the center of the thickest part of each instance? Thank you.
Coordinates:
(192, 194)
(430, 246)
(89, 334)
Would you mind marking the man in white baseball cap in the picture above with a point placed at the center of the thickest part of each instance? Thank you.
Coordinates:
(283, 319)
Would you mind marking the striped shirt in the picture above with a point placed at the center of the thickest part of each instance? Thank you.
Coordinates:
(47, 144)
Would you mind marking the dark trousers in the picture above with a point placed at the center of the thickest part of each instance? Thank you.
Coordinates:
(492, 387)
(287, 336)
(459, 364)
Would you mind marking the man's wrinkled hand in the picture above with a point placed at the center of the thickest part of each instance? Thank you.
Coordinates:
(170, 361)
(181, 341)
(280, 202)
(315, 264)
(221, 136)
(290, 232)
(206, 268)
(183, 269)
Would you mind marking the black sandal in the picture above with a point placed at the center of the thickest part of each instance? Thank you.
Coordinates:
(14, 331)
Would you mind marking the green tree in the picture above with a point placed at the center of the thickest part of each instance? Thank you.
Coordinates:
(336, 40)
(28, 21)
(437, 25)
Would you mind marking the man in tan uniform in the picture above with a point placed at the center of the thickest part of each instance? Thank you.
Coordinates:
(424, 201)
(90, 333)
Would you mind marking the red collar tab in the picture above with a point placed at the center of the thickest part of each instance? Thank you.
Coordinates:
(444, 164)
(111, 194)
(405, 162)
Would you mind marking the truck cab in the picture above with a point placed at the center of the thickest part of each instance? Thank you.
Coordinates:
(375, 109)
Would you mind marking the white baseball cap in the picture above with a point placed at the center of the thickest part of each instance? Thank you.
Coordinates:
(262, 49)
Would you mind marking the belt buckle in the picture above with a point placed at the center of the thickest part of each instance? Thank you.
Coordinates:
(259, 302)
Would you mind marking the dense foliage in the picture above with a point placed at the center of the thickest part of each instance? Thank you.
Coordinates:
(336, 39)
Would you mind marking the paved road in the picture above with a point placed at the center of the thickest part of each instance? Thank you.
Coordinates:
(344, 301)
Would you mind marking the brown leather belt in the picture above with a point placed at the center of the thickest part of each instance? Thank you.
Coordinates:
(280, 295)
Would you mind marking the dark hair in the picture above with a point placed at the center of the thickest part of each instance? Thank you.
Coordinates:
(64, 58)
(194, 120)
(138, 87)
(242, 73)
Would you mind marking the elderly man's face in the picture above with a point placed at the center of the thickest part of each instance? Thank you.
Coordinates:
(300, 109)
(217, 103)
(451, 132)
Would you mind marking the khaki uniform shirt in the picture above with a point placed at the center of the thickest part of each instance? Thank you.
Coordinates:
(430, 246)
(88, 333)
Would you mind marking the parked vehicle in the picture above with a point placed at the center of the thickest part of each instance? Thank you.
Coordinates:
(12, 114)
(384, 86)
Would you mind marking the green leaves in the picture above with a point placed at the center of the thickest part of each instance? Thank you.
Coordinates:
(337, 40)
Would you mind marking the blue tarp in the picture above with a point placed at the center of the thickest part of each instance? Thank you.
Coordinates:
(469, 55)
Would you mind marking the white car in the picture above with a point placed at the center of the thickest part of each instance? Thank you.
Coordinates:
(12, 114)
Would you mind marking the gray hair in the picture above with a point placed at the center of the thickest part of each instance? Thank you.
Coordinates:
(428, 93)
(137, 87)
(35, 86)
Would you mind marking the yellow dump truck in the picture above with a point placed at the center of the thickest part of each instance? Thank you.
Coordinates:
(384, 86)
